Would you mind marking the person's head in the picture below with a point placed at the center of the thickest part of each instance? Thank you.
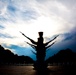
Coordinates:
(40, 34)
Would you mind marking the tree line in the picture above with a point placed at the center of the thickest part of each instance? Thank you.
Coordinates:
(63, 56)
(6, 56)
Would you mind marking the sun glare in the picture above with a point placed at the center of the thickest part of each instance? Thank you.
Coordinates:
(45, 24)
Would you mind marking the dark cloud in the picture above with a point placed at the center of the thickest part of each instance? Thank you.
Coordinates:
(11, 8)
(70, 36)
(69, 41)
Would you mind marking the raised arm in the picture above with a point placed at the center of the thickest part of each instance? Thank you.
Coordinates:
(29, 38)
(50, 40)
(50, 45)
(33, 46)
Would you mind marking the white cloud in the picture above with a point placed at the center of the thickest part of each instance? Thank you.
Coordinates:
(2, 8)
(52, 17)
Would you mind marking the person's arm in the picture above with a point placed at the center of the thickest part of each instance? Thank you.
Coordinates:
(33, 46)
(50, 45)
(29, 38)
(50, 40)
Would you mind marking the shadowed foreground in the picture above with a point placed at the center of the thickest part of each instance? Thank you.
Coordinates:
(28, 70)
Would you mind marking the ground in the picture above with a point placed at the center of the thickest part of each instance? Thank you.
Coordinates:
(28, 70)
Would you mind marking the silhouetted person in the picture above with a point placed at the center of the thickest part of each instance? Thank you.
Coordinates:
(40, 48)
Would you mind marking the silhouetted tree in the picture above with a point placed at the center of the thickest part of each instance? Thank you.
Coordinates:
(66, 55)
(6, 56)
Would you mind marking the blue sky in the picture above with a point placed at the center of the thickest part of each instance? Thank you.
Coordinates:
(53, 17)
